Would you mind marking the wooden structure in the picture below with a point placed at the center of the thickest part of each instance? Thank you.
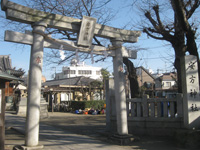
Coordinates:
(6, 66)
(65, 90)
(4, 78)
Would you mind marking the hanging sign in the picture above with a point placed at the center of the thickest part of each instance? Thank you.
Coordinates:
(86, 32)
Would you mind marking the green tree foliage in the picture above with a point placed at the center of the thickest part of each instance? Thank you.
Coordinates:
(105, 74)
(96, 84)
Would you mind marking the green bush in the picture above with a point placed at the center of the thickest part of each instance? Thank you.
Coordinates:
(97, 104)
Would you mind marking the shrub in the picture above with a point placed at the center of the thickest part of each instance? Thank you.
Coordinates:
(97, 104)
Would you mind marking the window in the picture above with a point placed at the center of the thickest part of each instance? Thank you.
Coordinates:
(65, 72)
(98, 72)
(168, 84)
(72, 71)
(69, 72)
(84, 72)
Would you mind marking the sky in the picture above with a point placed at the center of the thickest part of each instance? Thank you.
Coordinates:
(156, 55)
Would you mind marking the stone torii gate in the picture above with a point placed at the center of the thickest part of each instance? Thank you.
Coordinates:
(86, 28)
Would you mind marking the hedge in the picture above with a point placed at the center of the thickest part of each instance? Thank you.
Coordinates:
(95, 104)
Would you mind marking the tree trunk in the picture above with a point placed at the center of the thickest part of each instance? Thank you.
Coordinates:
(179, 53)
(132, 77)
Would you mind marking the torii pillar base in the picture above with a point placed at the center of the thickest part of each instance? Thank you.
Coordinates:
(123, 139)
(22, 147)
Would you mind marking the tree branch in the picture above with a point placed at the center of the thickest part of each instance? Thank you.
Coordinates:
(156, 10)
(151, 35)
(193, 8)
(149, 17)
(180, 14)
(98, 42)
(86, 8)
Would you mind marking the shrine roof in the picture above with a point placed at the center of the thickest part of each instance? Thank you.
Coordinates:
(5, 63)
(5, 66)
(8, 77)
(76, 81)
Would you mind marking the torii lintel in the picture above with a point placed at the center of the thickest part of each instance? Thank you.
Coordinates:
(27, 15)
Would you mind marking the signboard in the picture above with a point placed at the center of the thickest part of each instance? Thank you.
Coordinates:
(191, 102)
(86, 32)
(64, 97)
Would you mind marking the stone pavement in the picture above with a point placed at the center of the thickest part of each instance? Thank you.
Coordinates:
(58, 137)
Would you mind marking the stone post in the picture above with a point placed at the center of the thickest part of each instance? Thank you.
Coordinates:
(2, 115)
(191, 99)
(107, 105)
(34, 89)
(119, 84)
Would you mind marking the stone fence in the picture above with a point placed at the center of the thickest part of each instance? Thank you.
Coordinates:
(155, 107)
(155, 115)
(150, 116)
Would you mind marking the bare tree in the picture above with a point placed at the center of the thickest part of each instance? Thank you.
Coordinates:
(71, 8)
(174, 21)
(75, 9)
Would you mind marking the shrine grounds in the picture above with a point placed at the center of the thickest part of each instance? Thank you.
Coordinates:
(70, 131)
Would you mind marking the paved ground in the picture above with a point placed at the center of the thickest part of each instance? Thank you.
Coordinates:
(68, 131)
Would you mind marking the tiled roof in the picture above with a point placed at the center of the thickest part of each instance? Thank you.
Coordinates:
(5, 66)
(84, 81)
(8, 77)
(139, 72)
(5, 63)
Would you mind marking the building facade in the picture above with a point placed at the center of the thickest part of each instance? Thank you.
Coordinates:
(166, 86)
(146, 81)
(157, 85)
(79, 69)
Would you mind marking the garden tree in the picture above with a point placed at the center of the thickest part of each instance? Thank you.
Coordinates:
(180, 30)
(105, 75)
(76, 9)
(94, 86)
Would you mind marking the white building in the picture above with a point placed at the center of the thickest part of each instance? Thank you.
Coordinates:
(79, 69)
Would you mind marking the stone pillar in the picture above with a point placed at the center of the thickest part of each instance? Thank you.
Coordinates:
(107, 105)
(191, 99)
(110, 105)
(34, 89)
(2, 115)
(119, 84)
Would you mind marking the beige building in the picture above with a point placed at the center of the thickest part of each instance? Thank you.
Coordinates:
(145, 78)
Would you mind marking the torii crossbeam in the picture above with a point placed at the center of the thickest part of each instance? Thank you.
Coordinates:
(38, 40)
(22, 38)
